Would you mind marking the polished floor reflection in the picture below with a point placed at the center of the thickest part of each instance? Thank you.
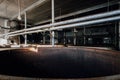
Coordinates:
(59, 63)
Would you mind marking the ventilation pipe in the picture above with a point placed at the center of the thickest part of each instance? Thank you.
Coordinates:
(116, 18)
(101, 15)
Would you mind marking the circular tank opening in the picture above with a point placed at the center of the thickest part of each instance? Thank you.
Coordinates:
(60, 62)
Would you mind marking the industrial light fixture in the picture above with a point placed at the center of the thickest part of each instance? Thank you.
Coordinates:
(19, 12)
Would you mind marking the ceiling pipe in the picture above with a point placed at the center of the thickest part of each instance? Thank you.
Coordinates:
(101, 15)
(81, 11)
(70, 21)
(87, 23)
(73, 25)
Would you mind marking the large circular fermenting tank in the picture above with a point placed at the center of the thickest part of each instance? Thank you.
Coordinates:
(56, 62)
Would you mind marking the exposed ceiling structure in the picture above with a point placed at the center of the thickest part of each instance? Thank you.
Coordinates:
(36, 17)
(9, 8)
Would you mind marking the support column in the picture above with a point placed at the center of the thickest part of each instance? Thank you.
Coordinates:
(119, 30)
(43, 37)
(74, 36)
(64, 38)
(53, 20)
(119, 35)
(5, 30)
(84, 36)
(19, 39)
(25, 17)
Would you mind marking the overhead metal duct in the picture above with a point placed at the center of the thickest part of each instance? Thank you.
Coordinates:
(87, 23)
(73, 25)
(101, 15)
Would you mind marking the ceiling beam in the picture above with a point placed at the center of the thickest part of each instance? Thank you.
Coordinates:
(38, 3)
(81, 11)
(4, 18)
